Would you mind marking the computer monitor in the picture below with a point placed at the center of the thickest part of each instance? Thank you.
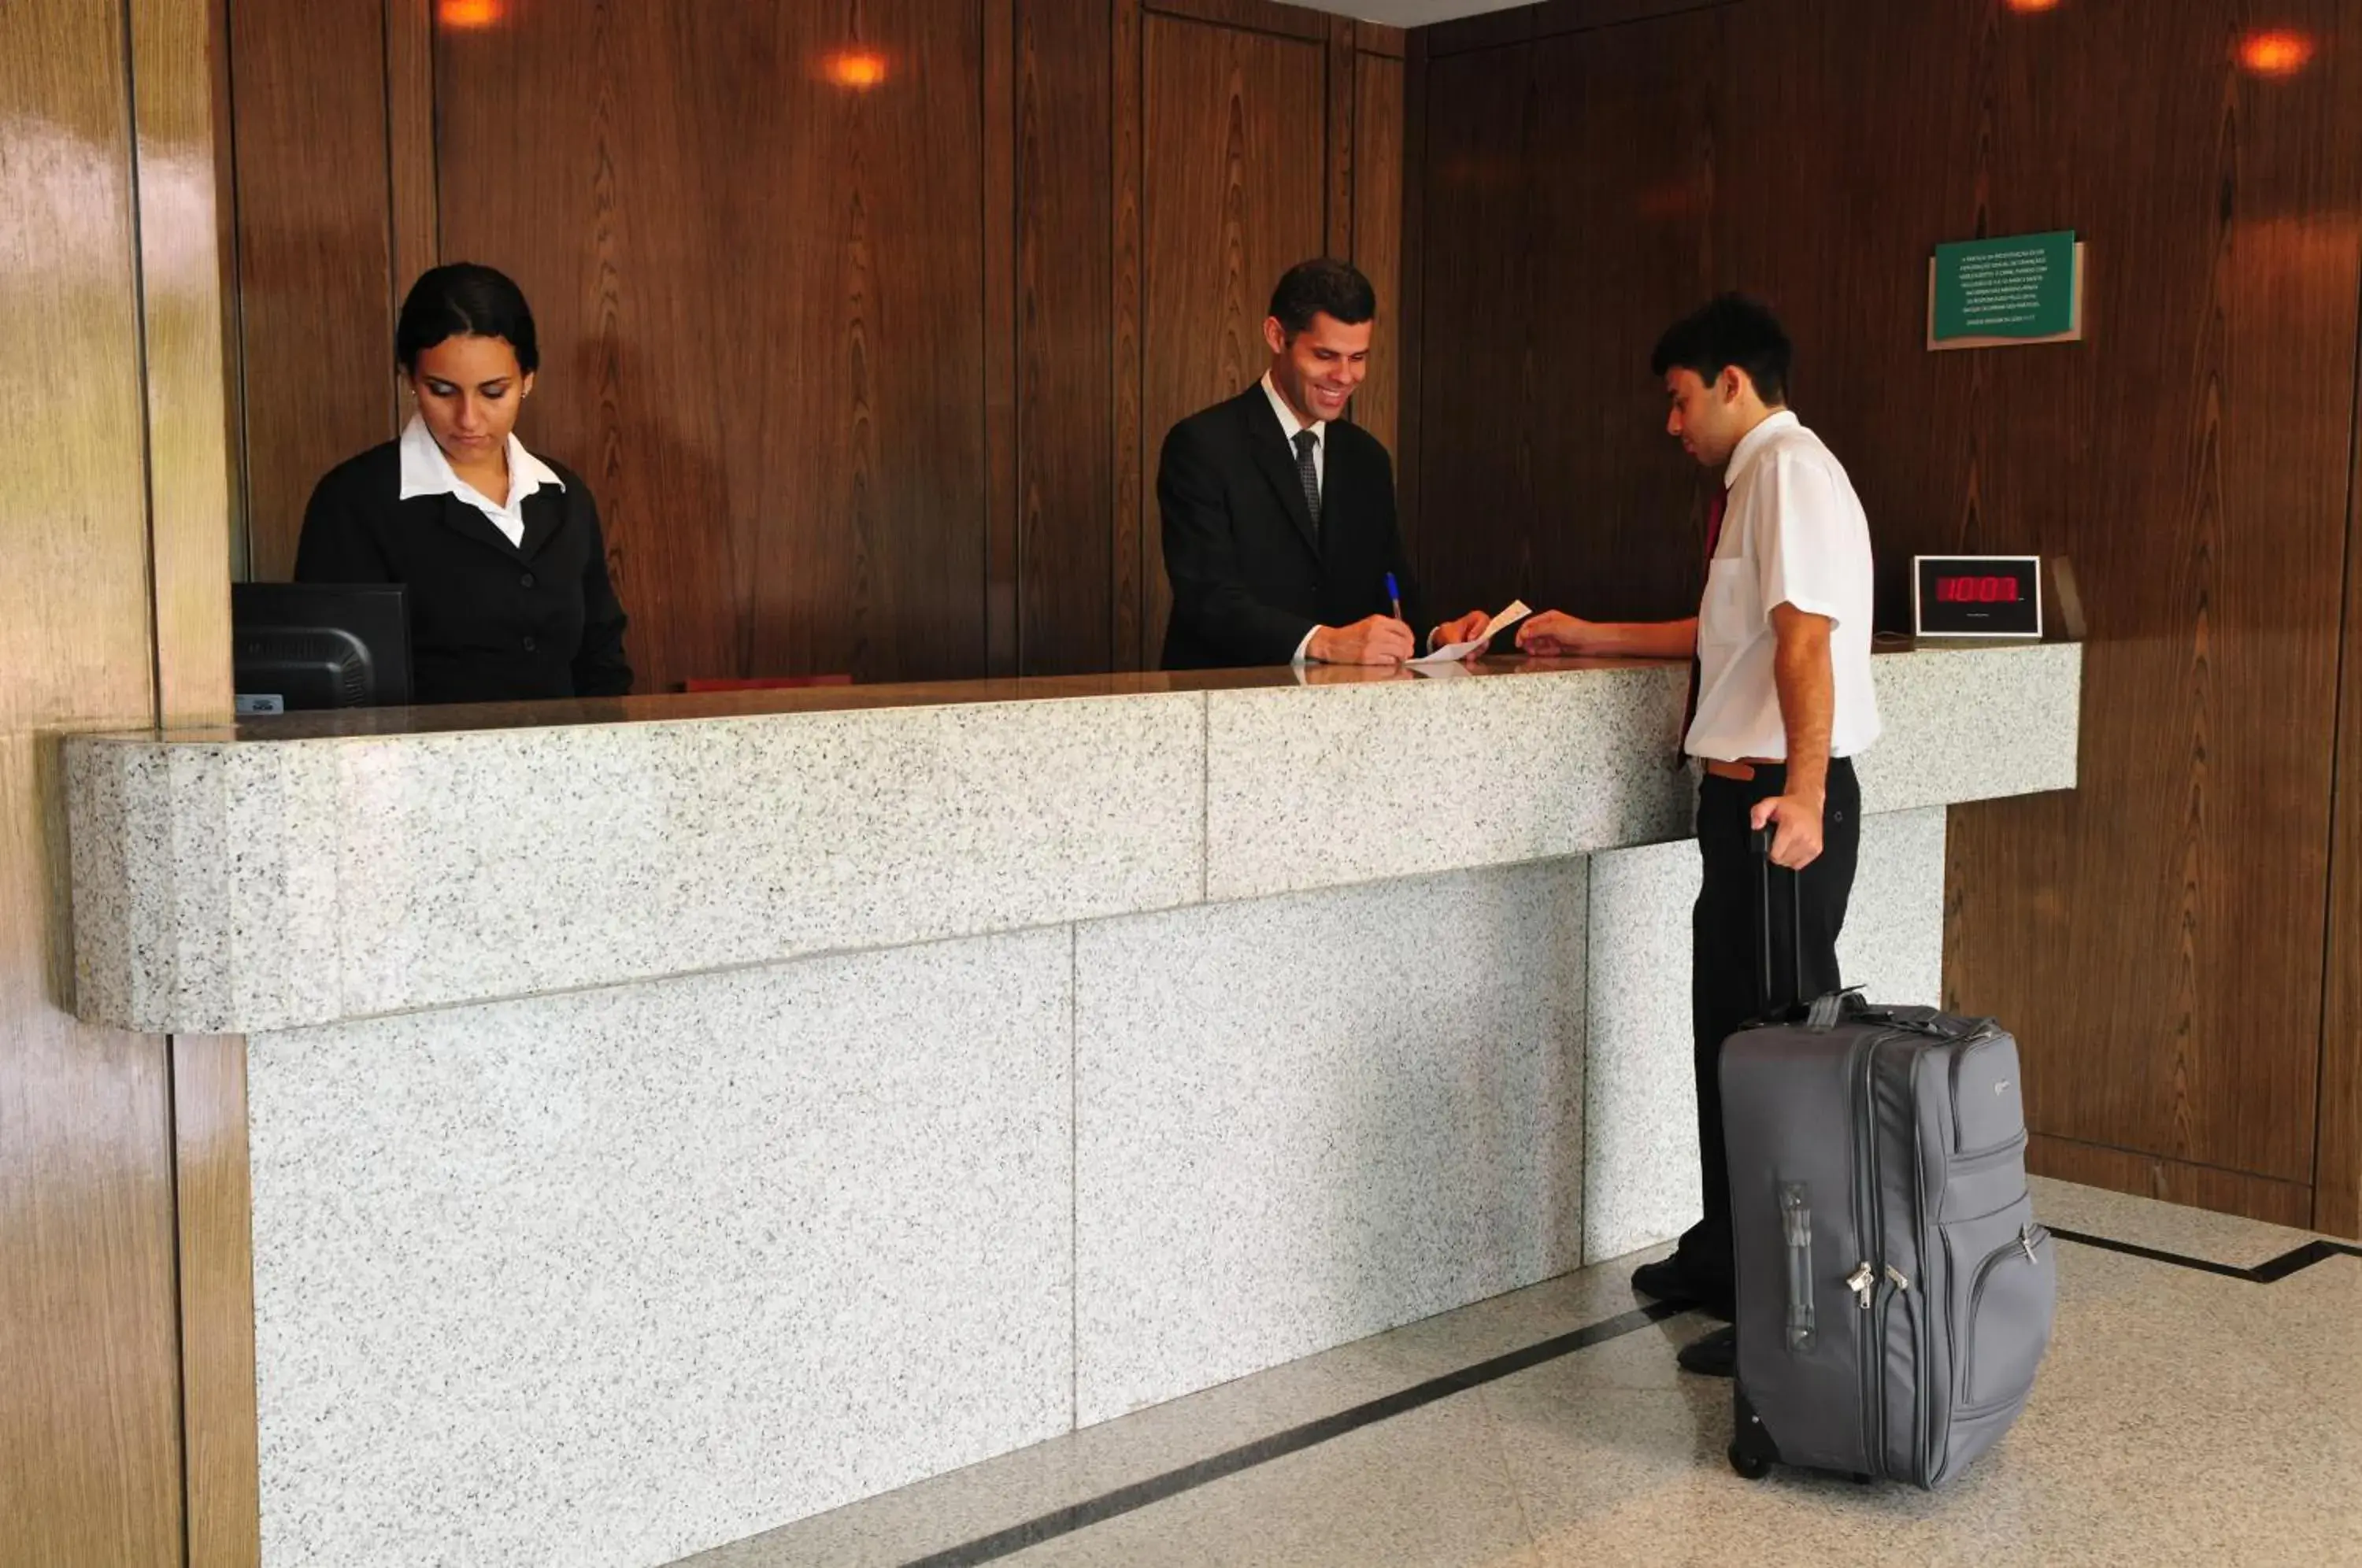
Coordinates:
(319, 645)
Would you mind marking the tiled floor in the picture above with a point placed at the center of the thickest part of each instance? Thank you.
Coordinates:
(2183, 1418)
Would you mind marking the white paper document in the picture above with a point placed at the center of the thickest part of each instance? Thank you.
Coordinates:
(1452, 653)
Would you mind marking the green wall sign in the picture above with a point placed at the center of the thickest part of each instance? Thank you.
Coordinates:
(2027, 289)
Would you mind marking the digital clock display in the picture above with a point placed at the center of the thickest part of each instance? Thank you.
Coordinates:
(1977, 596)
(1976, 591)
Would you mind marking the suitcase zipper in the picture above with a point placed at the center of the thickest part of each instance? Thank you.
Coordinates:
(1872, 1370)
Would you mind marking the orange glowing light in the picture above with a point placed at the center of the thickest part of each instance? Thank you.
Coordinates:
(468, 16)
(857, 68)
(2028, 7)
(2275, 53)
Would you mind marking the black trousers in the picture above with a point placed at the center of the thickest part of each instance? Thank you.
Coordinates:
(1726, 948)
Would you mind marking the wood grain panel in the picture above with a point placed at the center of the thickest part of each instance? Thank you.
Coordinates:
(413, 225)
(2337, 1161)
(213, 1191)
(1474, 500)
(1233, 197)
(1344, 89)
(1377, 234)
(1487, 29)
(1066, 325)
(2186, 875)
(1411, 323)
(314, 258)
(1128, 570)
(1622, 174)
(90, 1467)
(790, 456)
(2171, 1181)
(184, 266)
(182, 281)
(89, 1445)
(999, 243)
(1493, 30)
(1251, 15)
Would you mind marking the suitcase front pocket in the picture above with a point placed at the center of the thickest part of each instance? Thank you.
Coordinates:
(2010, 1310)
(1988, 1100)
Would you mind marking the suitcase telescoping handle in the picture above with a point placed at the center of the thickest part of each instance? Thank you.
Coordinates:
(1803, 995)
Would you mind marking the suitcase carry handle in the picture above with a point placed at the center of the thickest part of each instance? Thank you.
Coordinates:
(1761, 839)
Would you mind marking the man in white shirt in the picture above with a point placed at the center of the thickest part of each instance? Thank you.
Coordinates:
(1782, 701)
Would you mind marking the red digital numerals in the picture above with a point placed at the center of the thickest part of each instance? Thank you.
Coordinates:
(1976, 591)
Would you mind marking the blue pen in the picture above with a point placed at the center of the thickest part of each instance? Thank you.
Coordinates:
(1393, 595)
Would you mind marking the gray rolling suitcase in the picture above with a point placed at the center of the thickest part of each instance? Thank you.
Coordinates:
(1894, 1290)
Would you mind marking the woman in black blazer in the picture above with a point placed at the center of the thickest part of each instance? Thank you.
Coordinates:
(500, 551)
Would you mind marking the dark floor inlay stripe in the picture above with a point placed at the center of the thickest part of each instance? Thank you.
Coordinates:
(1295, 1439)
(2270, 1272)
(1263, 1450)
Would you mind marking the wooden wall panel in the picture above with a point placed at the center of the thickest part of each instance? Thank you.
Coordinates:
(2190, 869)
(2337, 1160)
(1377, 228)
(213, 1189)
(2155, 936)
(1344, 100)
(1620, 213)
(413, 225)
(90, 1457)
(2172, 1181)
(1251, 16)
(1066, 325)
(757, 291)
(1128, 570)
(1233, 197)
(997, 245)
(1474, 500)
(1491, 30)
(1410, 329)
(180, 119)
(184, 340)
(314, 276)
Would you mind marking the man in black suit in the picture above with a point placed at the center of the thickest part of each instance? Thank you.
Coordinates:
(1279, 522)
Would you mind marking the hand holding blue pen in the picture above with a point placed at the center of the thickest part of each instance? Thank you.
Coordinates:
(1393, 595)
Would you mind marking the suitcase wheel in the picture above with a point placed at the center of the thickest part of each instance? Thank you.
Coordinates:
(1751, 1448)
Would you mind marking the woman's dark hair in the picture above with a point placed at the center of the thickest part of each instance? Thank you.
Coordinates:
(463, 300)
(1731, 330)
(1312, 287)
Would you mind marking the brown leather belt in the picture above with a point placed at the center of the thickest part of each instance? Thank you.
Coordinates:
(1743, 769)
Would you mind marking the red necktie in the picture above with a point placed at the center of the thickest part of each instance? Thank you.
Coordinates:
(1714, 510)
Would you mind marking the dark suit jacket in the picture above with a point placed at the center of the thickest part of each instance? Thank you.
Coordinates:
(1248, 579)
(489, 622)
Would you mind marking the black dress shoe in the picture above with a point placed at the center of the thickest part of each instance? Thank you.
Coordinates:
(1668, 1280)
(1712, 1355)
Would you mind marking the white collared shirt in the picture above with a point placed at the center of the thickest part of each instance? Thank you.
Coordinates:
(1792, 533)
(426, 471)
(1291, 426)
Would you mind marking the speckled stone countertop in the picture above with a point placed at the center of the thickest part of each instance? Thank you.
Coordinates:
(312, 868)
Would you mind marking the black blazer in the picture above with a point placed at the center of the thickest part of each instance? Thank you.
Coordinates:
(1248, 579)
(489, 622)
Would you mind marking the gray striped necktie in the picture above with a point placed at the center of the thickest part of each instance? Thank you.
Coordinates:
(1308, 475)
